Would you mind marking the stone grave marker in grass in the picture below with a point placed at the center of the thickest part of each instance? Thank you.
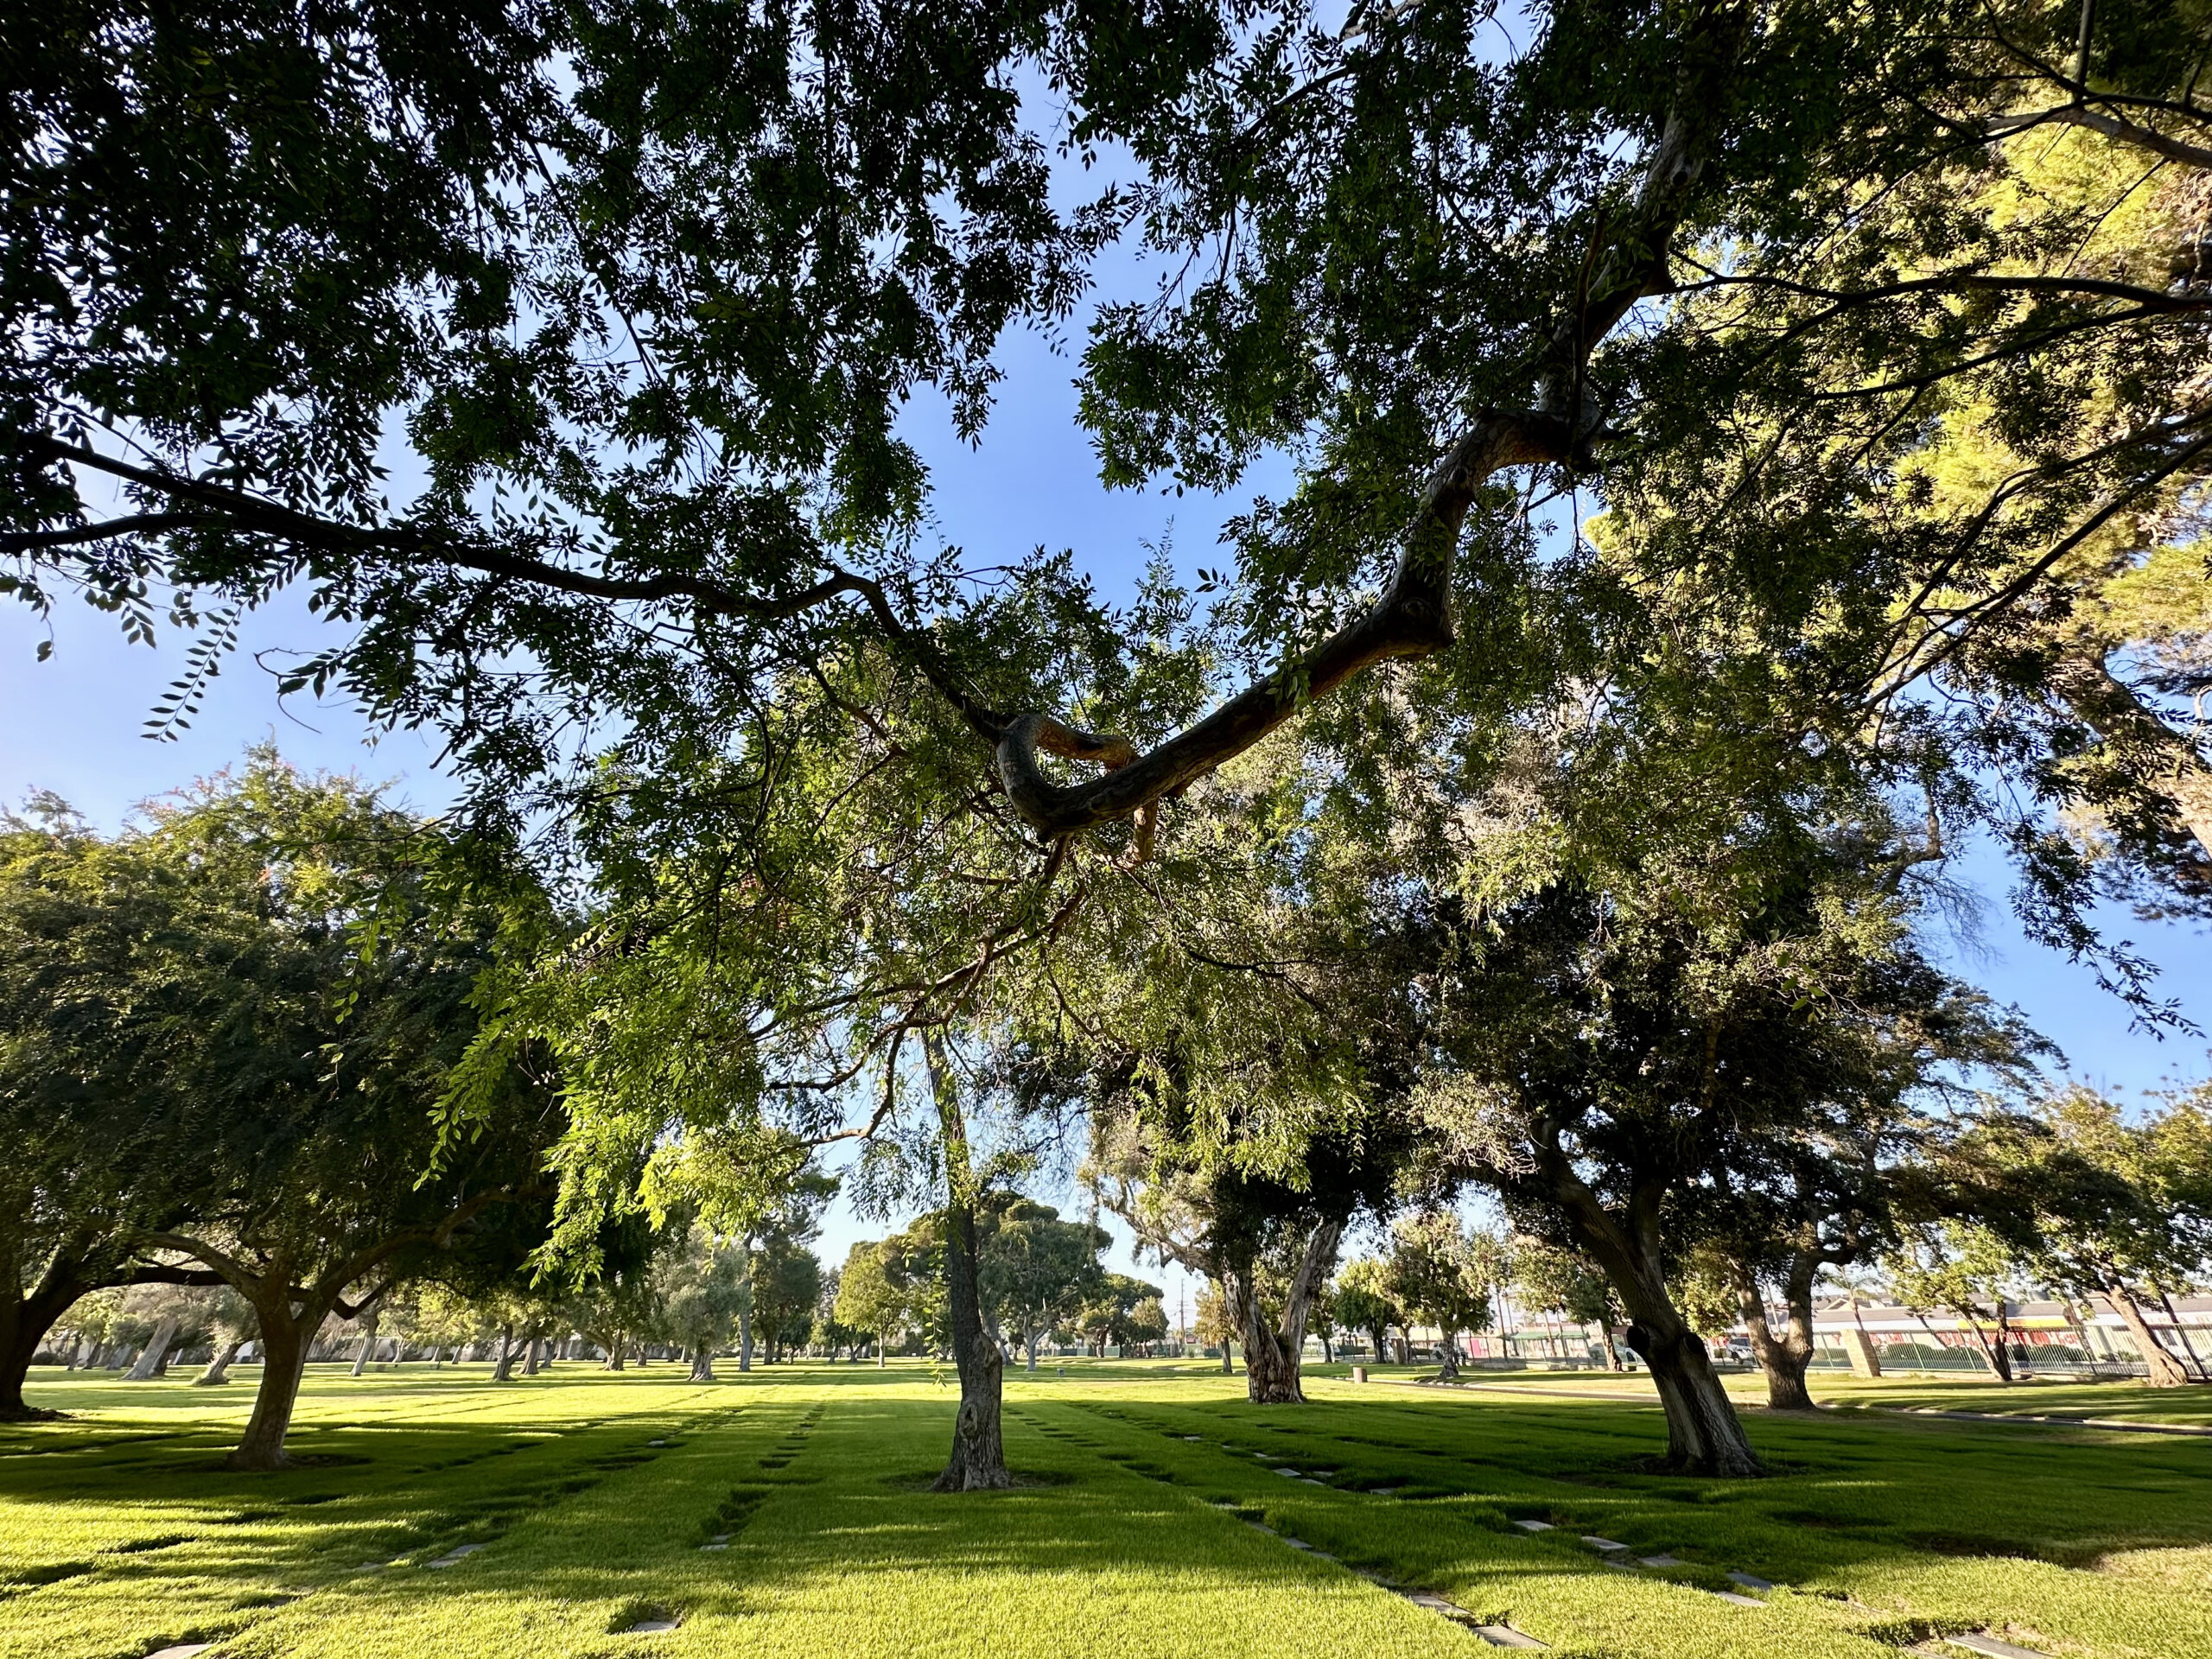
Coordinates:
(1604, 1545)
(1533, 1525)
(1750, 1581)
(1994, 1647)
(1735, 1599)
(455, 1556)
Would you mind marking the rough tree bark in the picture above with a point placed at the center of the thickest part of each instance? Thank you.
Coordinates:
(978, 1461)
(503, 1368)
(1704, 1434)
(1272, 1354)
(702, 1363)
(1782, 1358)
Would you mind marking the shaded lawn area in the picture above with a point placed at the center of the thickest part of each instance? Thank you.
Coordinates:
(117, 1533)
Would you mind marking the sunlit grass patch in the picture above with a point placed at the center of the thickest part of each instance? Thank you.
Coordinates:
(784, 1512)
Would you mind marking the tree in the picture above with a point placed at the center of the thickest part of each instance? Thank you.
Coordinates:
(787, 1280)
(230, 1326)
(1436, 1277)
(1147, 1324)
(1362, 1302)
(1561, 1278)
(116, 969)
(330, 1064)
(701, 1287)
(2071, 1194)
(1420, 294)
(1108, 1316)
(1969, 1270)
(1426, 260)
(1034, 1270)
(873, 1294)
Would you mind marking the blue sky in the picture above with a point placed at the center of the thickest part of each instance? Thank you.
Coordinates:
(75, 719)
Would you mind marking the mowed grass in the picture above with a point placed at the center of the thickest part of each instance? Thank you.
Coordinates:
(2118, 1401)
(1157, 1519)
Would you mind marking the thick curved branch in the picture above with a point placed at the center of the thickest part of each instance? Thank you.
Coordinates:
(2125, 132)
(1412, 618)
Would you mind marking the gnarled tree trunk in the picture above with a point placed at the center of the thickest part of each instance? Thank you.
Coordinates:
(24, 1321)
(978, 1461)
(1273, 1355)
(2000, 1363)
(219, 1367)
(503, 1367)
(284, 1339)
(702, 1363)
(1704, 1434)
(154, 1360)
(1782, 1358)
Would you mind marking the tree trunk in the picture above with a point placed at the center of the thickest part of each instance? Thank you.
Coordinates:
(882, 1343)
(745, 1338)
(1782, 1358)
(530, 1359)
(613, 1360)
(2187, 1344)
(1450, 1372)
(1606, 1328)
(978, 1461)
(150, 1362)
(283, 1358)
(219, 1368)
(2165, 1372)
(703, 1363)
(368, 1341)
(2000, 1362)
(1704, 1434)
(1272, 1355)
(24, 1321)
(503, 1367)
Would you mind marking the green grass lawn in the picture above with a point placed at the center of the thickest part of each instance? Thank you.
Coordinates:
(2117, 1401)
(1158, 1520)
